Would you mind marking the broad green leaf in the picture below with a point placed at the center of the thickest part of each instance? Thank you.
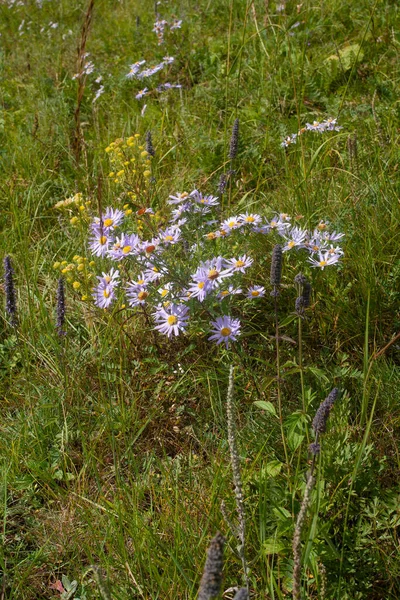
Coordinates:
(267, 406)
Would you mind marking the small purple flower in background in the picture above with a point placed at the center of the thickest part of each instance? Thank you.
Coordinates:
(289, 140)
(171, 319)
(135, 68)
(176, 24)
(255, 291)
(142, 93)
(225, 329)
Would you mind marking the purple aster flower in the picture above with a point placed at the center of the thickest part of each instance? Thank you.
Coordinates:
(324, 260)
(111, 219)
(136, 294)
(294, 237)
(171, 235)
(178, 198)
(134, 69)
(109, 279)
(255, 291)
(204, 200)
(230, 224)
(171, 319)
(124, 246)
(104, 295)
(99, 243)
(212, 270)
(231, 291)
(225, 329)
(199, 289)
(239, 265)
(142, 93)
(250, 219)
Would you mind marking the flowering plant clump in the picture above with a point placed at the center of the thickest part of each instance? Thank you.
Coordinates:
(316, 127)
(177, 265)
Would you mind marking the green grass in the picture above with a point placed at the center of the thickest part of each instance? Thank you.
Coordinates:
(112, 454)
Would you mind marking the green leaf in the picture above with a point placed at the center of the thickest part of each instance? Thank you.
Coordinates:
(273, 467)
(267, 406)
(273, 546)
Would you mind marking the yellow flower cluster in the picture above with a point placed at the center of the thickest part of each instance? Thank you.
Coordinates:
(73, 204)
(80, 273)
(130, 165)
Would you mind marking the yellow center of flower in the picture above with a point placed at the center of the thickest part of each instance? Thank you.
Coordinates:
(239, 263)
(291, 244)
(164, 293)
(212, 274)
(142, 295)
(222, 232)
(169, 238)
(211, 235)
(273, 223)
(315, 248)
(103, 240)
(249, 219)
(106, 294)
(172, 319)
(225, 331)
(231, 224)
(224, 293)
(321, 226)
(126, 249)
(322, 263)
(200, 285)
(255, 293)
(140, 281)
(107, 279)
(108, 222)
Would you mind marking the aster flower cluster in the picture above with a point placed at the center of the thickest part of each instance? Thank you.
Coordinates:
(317, 126)
(156, 266)
(139, 72)
(160, 26)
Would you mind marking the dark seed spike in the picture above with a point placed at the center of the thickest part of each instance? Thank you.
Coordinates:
(322, 414)
(11, 303)
(149, 144)
(223, 182)
(211, 580)
(60, 307)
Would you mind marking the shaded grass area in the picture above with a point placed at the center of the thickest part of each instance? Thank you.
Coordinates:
(114, 450)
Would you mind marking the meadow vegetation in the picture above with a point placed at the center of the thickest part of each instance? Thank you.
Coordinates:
(255, 134)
